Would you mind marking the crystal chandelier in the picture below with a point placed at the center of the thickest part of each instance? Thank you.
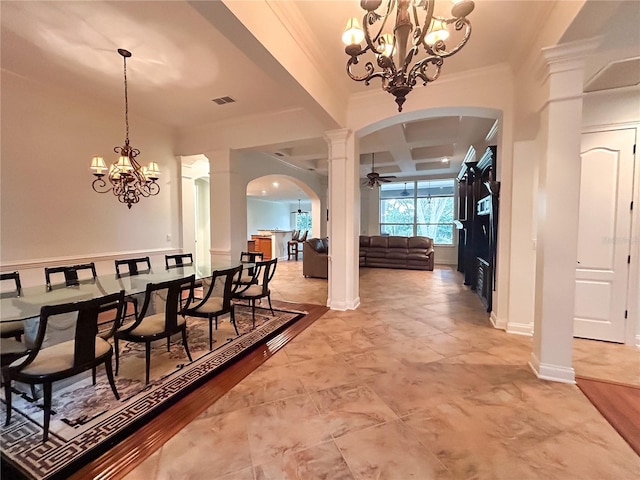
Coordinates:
(415, 27)
(127, 179)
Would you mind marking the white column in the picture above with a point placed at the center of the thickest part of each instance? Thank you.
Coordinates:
(344, 221)
(557, 226)
(187, 207)
(228, 208)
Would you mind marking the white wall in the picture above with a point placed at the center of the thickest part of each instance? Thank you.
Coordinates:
(267, 215)
(49, 212)
(523, 248)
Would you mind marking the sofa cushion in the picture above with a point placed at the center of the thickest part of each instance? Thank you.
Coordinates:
(420, 242)
(398, 242)
(379, 242)
(364, 240)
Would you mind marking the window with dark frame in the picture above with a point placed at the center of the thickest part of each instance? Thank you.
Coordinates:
(421, 207)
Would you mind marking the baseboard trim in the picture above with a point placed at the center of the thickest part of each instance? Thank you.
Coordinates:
(520, 328)
(638, 341)
(343, 306)
(497, 322)
(553, 373)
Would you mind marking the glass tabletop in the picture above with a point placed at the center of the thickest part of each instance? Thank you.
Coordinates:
(32, 299)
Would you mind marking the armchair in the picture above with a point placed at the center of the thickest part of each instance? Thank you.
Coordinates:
(315, 258)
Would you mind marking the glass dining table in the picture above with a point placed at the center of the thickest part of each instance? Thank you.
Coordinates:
(31, 299)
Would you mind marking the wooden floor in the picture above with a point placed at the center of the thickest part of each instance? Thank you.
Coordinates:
(133, 450)
(618, 403)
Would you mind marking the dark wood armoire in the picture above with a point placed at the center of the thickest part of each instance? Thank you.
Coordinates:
(477, 223)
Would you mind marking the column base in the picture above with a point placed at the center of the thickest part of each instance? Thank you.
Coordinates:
(555, 373)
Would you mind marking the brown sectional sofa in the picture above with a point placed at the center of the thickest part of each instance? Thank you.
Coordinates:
(315, 258)
(414, 253)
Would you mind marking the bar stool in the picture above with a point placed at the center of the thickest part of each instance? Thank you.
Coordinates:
(292, 245)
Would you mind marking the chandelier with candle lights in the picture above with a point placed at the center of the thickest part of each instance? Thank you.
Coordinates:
(399, 55)
(127, 179)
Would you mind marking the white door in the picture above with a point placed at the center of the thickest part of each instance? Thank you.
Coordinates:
(604, 235)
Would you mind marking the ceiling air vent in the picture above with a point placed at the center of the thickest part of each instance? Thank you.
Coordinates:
(223, 100)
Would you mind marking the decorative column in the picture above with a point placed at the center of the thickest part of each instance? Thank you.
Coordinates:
(344, 221)
(557, 226)
(188, 206)
(228, 208)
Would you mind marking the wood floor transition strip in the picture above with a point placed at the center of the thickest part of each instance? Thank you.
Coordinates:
(126, 455)
(618, 403)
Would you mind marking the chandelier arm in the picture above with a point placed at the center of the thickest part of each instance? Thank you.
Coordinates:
(370, 18)
(438, 48)
(427, 21)
(153, 187)
(420, 70)
(369, 71)
(100, 186)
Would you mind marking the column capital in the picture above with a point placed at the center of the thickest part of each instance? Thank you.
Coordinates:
(562, 67)
(569, 56)
(334, 136)
(337, 142)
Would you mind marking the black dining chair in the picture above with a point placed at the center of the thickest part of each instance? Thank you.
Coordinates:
(178, 260)
(10, 286)
(259, 288)
(86, 351)
(70, 275)
(162, 315)
(247, 259)
(218, 300)
(130, 267)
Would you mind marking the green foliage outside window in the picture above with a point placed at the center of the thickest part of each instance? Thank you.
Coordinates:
(303, 221)
(423, 208)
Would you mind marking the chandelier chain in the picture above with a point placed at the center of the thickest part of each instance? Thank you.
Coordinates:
(126, 103)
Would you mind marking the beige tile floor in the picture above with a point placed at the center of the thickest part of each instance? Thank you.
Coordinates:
(414, 384)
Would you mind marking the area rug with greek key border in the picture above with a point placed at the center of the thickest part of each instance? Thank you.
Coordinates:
(87, 419)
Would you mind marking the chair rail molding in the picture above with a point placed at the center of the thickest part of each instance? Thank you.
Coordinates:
(97, 257)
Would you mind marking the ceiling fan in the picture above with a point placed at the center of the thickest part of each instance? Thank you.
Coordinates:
(374, 178)
(299, 211)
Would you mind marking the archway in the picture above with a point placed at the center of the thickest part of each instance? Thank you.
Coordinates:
(273, 201)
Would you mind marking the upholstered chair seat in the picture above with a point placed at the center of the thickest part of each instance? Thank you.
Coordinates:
(152, 325)
(58, 358)
(212, 305)
(252, 291)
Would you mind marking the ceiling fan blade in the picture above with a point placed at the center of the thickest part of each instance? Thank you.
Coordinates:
(389, 176)
(384, 179)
